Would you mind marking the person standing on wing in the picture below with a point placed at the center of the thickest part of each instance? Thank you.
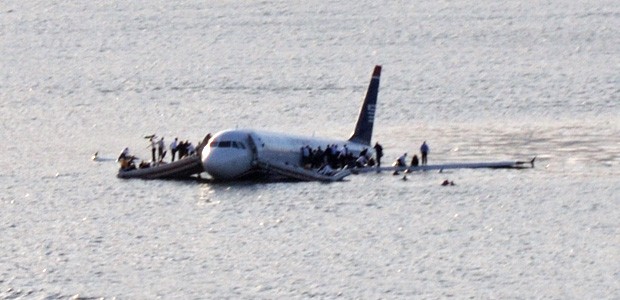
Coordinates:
(160, 149)
(173, 148)
(153, 148)
(378, 153)
(424, 149)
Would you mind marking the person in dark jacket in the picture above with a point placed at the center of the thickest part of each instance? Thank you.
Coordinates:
(424, 150)
(378, 153)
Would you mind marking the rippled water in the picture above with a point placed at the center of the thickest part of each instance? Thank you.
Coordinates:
(478, 81)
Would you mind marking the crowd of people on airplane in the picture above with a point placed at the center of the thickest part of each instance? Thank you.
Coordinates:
(178, 150)
(401, 161)
(334, 157)
(181, 149)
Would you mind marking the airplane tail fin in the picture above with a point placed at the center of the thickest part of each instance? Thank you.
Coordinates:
(366, 118)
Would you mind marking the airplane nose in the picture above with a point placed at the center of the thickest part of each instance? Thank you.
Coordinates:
(223, 163)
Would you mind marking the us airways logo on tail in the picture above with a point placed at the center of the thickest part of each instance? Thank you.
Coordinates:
(370, 114)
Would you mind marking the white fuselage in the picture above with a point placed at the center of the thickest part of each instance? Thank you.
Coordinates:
(233, 153)
(236, 153)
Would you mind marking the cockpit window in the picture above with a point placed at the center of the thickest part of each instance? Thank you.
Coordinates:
(227, 144)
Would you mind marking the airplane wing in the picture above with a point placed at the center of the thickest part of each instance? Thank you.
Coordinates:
(180, 169)
(448, 166)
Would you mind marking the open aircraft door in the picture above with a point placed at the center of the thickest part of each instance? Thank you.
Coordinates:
(253, 148)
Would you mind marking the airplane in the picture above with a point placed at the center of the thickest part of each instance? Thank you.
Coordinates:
(239, 153)
(249, 153)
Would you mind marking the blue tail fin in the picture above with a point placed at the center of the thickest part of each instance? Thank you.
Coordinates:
(366, 118)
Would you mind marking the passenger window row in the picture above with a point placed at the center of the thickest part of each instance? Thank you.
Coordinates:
(227, 144)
